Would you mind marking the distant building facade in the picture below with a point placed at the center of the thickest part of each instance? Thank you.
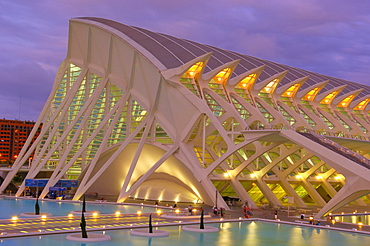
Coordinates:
(13, 136)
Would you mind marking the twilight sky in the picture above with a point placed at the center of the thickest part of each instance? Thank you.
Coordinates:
(331, 37)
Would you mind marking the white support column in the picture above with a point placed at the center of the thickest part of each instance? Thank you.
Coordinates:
(126, 193)
(354, 188)
(267, 192)
(289, 189)
(242, 193)
(82, 189)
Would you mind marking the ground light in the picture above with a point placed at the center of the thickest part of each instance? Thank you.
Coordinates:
(84, 236)
(149, 232)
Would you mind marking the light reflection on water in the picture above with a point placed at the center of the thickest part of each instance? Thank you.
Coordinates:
(14, 207)
(238, 233)
(355, 219)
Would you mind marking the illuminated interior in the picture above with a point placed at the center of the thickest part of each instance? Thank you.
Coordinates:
(362, 105)
(247, 82)
(222, 76)
(270, 87)
(329, 98)
(188, 79)
(291, 91)
(217, 82)
(193, 71)
(310, 96)
(346, 101)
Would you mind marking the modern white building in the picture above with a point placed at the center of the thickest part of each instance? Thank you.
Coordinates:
(139, 114)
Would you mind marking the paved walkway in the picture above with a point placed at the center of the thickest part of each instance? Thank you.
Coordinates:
(65, 224)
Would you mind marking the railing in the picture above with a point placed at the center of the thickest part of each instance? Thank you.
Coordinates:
(324, 133)
(269, 127)
(340, 149)
(333, 134)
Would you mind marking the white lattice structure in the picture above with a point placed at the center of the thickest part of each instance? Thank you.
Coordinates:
(140, 114)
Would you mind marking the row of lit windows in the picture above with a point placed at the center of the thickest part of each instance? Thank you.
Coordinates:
(10, 127)
(242, 89)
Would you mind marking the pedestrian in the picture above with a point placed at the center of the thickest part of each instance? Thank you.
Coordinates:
(249, 212)
(215, 210)
(275, 214)
(311, 221)
(245, 211)
(190, 209)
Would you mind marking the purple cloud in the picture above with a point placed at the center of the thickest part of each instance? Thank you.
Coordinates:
(329, 37)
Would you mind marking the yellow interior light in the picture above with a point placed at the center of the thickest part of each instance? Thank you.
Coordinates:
(222, 76)
(346, 101)
(329, 98)
(311, 94)
(291, 91)
(247, 82)
(270, 87)
(193, 70)
(226, 175)
(362, 105)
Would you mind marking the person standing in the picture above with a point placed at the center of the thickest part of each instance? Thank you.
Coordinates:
(190, 209)
(275, 215)
(215, 210)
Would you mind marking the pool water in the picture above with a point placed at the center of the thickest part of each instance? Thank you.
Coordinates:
(235, 233)
(14, 207)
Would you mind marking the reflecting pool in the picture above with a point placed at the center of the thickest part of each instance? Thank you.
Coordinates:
(235, 233)
(14, 207)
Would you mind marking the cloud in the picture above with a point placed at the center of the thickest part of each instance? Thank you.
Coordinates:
(25, 91)
(329, 37)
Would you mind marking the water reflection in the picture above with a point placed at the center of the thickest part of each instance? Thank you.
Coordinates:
(354, 219)
(307, 233)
